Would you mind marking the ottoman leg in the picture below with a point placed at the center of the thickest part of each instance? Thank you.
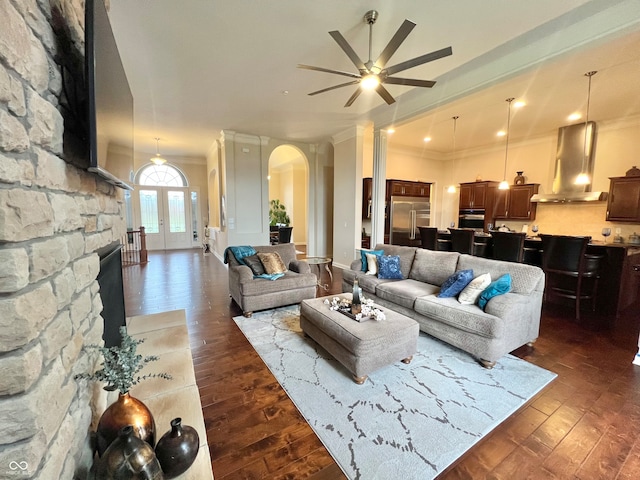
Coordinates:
(359, 380)
(407, 360)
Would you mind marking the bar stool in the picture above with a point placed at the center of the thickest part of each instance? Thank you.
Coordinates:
(508, 246)
(567, 266)
(462, 240)
(429, 237)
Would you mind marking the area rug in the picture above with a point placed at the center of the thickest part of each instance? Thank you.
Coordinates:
(406, 421)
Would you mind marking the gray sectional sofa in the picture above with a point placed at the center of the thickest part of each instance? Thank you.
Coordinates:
(508, 321)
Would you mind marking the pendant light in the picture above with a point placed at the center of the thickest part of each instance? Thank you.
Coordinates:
(452, 187)
(583, 177)
(504, 185)
(157, 159)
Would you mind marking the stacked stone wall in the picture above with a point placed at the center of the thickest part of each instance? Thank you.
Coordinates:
(53, 218)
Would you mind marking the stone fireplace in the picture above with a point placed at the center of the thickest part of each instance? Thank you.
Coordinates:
(54, 218)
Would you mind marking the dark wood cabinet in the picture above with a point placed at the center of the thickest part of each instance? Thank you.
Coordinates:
(408, 189)
(367, 193)
(624, 199)
(515, 203)
(473, 195)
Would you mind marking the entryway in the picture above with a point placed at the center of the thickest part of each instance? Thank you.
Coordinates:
(167, 208)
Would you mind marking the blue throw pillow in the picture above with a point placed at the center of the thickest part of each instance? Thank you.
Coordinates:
(389, 267)
(495, 288)
(453, 285)
(363, 257)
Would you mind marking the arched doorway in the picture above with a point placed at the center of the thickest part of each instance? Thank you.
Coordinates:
(289, 183)
(167, 207)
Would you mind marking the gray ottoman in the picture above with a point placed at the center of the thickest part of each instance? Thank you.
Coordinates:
(361, 347)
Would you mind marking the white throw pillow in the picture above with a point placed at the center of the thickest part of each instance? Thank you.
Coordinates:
(372, 264)
(471, 292)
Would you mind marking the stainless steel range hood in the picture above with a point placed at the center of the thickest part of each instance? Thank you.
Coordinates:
(569, 163)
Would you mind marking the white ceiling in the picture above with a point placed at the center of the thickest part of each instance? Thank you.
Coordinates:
(197, 67)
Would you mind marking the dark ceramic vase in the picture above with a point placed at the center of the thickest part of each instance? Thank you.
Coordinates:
(520, 179)
(127, 410)
(128, 458)
(177, 449)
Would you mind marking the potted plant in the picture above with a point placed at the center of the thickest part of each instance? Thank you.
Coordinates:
(278, 214)
(121, 366)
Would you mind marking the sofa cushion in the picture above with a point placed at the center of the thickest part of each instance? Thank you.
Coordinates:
(524, 278)
(433, 267)
(498, 287)
(372, 263)
(453, 285)
(471, 292)
(389, 267)
(272, 262)
(406, 255)
(290, 281)
(364, 259)
(254, 263)
(404, 292)
(370, 283)
(468, 318)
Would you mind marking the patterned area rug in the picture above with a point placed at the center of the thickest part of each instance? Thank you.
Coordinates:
(406, 421)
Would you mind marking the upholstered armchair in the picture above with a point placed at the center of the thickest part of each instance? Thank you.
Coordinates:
(252, 292)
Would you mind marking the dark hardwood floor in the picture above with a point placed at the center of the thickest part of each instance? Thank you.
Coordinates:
(585, 425)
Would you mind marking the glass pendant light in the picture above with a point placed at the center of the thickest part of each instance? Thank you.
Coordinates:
(504, 185)
(583, 177)
(452, 187)
(157, 159)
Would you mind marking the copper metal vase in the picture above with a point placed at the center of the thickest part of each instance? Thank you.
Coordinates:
(177, 449)
(127, 410)
(128, 458)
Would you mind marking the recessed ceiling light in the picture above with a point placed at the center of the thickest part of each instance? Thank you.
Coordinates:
(574, 116)
(391, 130)
(519, 104)
(427, 139)
(501, 133)
(285, 92)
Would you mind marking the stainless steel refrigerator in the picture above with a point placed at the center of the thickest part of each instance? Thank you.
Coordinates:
(407, 214)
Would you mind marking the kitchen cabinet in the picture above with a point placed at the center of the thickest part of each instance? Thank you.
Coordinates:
(474, 195)
(515, 203)
(624, 199)
(367, 192)
(408, 189)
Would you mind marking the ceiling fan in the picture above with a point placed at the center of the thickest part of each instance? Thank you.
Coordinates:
(373, 74)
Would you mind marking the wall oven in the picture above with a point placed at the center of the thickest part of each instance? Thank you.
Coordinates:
(471, 219)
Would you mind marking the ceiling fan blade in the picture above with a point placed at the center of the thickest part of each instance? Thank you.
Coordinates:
(394, 43)
(412, 82)
(353, 97)
(334, 87)
(414, 62)
(328, 70)
(346, 48)
(384, 93)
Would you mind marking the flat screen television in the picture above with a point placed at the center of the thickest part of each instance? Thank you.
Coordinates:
(110, 102)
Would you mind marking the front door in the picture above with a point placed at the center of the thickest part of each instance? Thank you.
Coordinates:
(165, 213)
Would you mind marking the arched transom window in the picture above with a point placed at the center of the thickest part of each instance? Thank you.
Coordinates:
(161, 176)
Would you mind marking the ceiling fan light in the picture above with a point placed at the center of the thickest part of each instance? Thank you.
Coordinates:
(504, 185)
(369, 82)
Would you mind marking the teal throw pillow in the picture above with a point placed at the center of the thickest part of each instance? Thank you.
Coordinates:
(389, 267)
(363, 257)
(498, 287)
(453, 285)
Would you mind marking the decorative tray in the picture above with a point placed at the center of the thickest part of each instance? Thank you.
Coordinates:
(347, 311)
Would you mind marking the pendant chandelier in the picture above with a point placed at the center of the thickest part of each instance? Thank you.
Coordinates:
(157, 159)
(504, 185)
(583, 177)
(452, 187)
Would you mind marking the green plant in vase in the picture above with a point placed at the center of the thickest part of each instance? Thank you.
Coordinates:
(278, 213)
(121, 367)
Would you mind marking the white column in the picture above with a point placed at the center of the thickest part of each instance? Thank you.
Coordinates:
(379, 185)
